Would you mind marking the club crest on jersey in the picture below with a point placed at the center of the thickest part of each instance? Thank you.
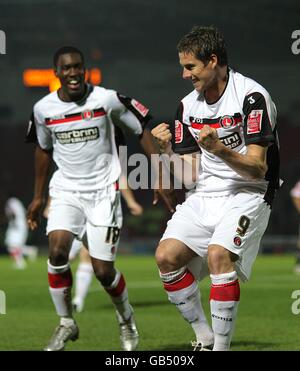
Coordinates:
(237, 241)
(227, 122)
(254, 121)
(178, 131)
(140, 107)
(87, 115)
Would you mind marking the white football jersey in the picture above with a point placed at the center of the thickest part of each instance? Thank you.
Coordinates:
(16, 214)
(82, 136)
(243, 115)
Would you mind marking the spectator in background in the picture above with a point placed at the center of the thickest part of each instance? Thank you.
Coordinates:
(17, 233)
(295, 195)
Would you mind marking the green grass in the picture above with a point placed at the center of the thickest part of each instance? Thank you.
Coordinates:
(265, 320)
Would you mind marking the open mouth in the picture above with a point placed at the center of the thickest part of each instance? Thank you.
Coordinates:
(74, 84)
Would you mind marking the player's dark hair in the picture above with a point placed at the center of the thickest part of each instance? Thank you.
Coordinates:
(66, 50)
(203, 42)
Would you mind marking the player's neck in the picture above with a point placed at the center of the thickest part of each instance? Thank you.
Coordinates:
(216, 90)
(65, 97)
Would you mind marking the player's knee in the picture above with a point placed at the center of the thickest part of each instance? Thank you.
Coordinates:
(165, 260)
(160, 255)
(59, 245)
(220, 260)
(105, 275)
(58, 256)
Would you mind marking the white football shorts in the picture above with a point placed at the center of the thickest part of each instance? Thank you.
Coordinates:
(95, 217)
(237, 222)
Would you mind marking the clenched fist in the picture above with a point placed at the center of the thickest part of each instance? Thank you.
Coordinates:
(209, 140)
(163, 136)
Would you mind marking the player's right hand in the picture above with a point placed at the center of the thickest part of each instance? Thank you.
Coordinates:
(163, 136)
(34, 213)
(135, 208)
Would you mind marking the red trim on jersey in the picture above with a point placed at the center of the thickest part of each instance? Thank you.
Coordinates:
(185, 281)
(117, 291)
(200, 126)
(217, 124)
(116, 185)
(60, 280)
(226, 292)
(98, 114)
(63, 121)
(77, 117)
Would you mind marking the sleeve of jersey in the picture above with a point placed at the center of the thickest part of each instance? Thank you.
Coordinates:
(129, 114)
(38, 133)
(119, 137)
(259, 121)
(182, 140)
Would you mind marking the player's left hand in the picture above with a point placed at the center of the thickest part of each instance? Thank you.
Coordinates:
(34, 213)
(208, 139)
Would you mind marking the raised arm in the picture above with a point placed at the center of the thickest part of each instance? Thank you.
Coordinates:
(252, 165)
(185, 167)
(133, 116)
(167, 194)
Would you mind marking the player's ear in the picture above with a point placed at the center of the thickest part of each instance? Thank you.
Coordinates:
(213, 60)
(55, 71)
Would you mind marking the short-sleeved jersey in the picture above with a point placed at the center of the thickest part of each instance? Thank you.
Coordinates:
(82, 136)
(243, 115)
(295, 191)
(16, 214)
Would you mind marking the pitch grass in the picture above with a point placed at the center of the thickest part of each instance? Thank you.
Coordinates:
(265, 319)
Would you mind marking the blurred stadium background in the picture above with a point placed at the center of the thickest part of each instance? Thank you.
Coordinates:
(133, 44)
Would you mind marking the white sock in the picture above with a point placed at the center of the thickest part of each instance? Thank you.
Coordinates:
(224, 300)
(119, 296)
(60, 285)
(83, 279)
(203, 331)
(183, 291)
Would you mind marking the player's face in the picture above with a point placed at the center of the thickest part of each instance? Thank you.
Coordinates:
(71, 72)
(201, 75)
